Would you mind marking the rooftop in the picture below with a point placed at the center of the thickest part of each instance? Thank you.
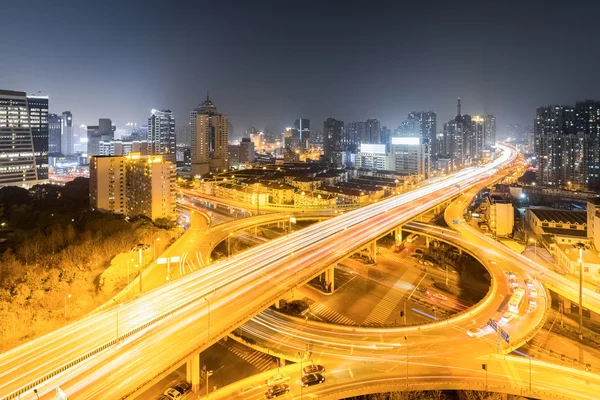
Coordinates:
(560, 216)
(567, 232)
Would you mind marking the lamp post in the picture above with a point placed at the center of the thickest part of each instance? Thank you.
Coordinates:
(580, 246)
(118, 305)
(128, 261)
(66, 297)
(208, 302)
(534, 248)
(406, 343)
(301, 387)
(229, 244)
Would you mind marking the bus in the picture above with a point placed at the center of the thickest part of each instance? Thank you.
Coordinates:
(515, 300)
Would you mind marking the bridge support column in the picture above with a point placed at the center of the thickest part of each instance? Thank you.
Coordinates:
(192, 372)
(420, 217)
(398, 235)
(256, 231)
(373, 251)
(330, 277)
(566, 305)
(276, 304)
(427, 241)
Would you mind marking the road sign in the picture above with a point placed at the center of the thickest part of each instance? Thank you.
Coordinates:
(455, 221)
(493, 324)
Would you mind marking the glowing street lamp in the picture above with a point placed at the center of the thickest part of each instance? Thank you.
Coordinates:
(66, 297)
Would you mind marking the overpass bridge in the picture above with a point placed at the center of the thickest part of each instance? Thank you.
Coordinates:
(114, 353)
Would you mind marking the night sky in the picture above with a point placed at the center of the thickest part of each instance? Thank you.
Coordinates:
(268, 62)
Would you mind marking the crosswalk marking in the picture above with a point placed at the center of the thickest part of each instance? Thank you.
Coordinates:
(325, 313)
(388, 303)
(259, 360)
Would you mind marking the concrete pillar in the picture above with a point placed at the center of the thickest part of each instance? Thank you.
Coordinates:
(256, 231)
(427, 241)
(330, 277)
(192, 372)
(398, 235)
(420, 217)
(276, 304)
(373, 251)
(566, 305)
(281, 362)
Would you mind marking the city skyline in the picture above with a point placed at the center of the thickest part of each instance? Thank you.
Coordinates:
(258, 81)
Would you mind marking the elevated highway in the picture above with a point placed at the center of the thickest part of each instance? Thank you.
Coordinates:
(114, 353)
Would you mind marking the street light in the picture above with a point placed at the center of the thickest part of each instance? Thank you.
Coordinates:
(205, 299)
(301, 387)
(117, 305)
(68, 296)
(229, 244)
(154, 248)
(128, 261)
(531, 240)
(406, 343)
(580, 246)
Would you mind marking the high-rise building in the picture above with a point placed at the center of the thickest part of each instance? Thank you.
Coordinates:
(458, 138)
(54, 130)
(333, 138)
(210, 132)
(17, 154)
(353, 136)
(302, 127)
(477, 140)
(93, 140)
(67, 142)
(161, 135)
(372, 130)
(567, 146)
(490, 130)
(422, 124)
(133, 185)
(38, 120)
(409, 155)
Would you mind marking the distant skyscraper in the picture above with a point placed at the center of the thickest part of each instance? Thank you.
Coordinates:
(93, 140)
(372, 130)
(210, 135)
(302, 126)
(38, 119)
(161, 135)
(17, 160)
(490, 130)
(54, 129)
(457, 138)
(67, 134)
(424, 125)
(333, 140)
(183, 135)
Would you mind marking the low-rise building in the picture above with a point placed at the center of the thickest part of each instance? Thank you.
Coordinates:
(540, 219)
(305, 183)
(314, 199)
(568, 259)
(246, 194)
(500, 215)
(279, 193)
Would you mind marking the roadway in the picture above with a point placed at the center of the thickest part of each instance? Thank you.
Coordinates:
(160, 329)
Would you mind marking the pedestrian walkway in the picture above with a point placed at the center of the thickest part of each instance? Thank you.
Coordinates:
(388, 303)
(259, 360)
(326, 314)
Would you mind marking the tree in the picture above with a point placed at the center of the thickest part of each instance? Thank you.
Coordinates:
(165, 223)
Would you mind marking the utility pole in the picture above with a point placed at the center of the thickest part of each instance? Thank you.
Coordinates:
(580, 246)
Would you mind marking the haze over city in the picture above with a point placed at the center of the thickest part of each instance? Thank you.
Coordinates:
(267, 62)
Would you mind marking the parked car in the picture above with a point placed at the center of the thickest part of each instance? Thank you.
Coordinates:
(313, 369)
(277, 379)
(419, 251)
(183, 387)
(277, 390)
(172, 394)
(312, 379)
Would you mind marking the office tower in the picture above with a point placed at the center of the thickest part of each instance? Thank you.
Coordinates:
(353, 135)
(409, 155)
(38, 120)
(161, 135)
(93, 140)
(133, 185)
(210, 131)
(67, 142)
(17, 160)
(490, 131)
(385, 136)
(54, 129)
(302, 127)
(183, 136)
(333, 140)
(587, 124)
